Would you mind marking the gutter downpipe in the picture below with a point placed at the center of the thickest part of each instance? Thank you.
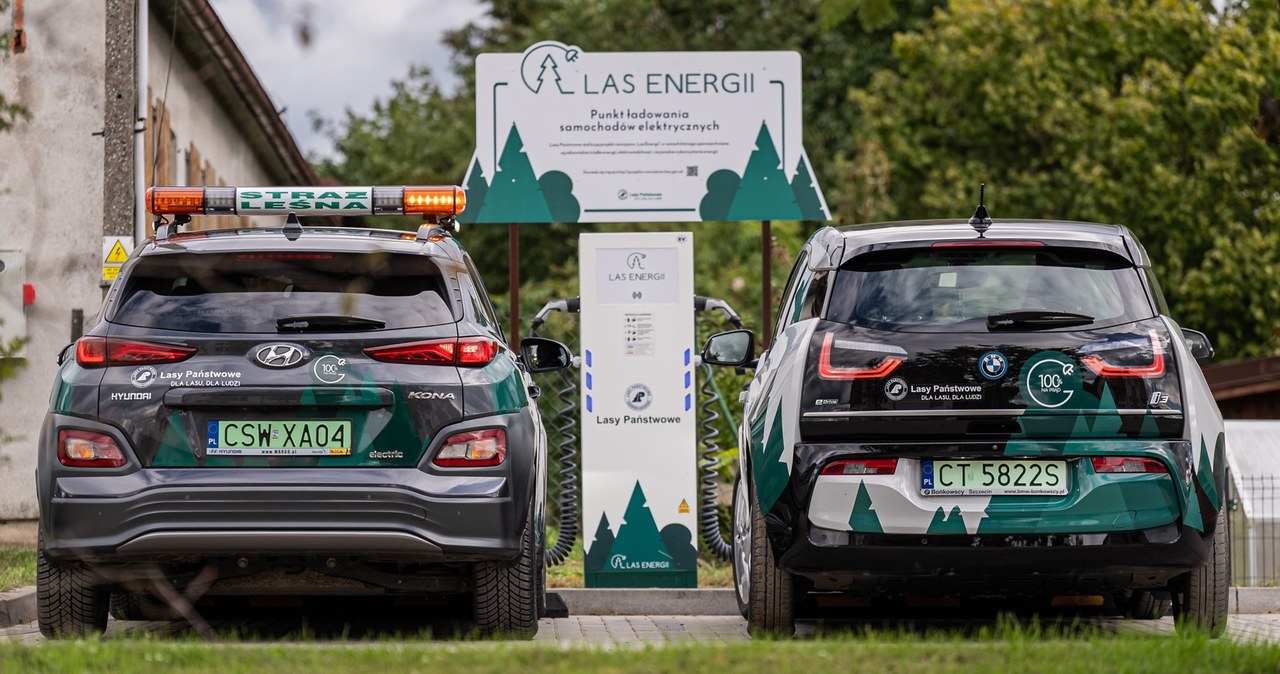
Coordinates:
(142, 33)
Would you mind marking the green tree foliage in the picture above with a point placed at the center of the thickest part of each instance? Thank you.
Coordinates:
(1147, 113)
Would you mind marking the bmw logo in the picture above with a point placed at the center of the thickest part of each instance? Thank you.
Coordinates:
(993, 365)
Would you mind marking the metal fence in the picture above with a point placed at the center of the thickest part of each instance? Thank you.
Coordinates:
(1254, 516)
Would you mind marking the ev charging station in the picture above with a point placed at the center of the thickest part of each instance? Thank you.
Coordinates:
(639, 427)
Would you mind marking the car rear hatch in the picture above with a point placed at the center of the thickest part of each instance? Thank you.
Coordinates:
(990, 341)
(289, 359)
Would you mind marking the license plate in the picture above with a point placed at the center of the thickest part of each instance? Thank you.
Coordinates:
(993, 478)
(279, 438)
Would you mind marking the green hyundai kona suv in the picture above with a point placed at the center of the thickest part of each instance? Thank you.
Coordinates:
(329, 411)
(947, 409)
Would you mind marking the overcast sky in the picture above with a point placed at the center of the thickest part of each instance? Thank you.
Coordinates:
(356, 49)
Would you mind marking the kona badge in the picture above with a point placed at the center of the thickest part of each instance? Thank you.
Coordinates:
(429, 395)
(280, 355)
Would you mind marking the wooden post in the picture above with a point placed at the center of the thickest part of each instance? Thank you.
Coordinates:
(513, 281)
(766, 282)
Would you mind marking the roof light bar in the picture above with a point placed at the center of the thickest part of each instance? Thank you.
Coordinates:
(437, 200)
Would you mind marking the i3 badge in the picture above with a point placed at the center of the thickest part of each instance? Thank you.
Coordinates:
(993, 365)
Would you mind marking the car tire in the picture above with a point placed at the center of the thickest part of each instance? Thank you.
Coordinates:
(771, 610)
(540, 576)
(505, 600)
(1144, 605)
(1204, 604)
(126, 606)
(740, 546)
(70, 602)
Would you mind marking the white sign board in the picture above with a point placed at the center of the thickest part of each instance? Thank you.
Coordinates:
(564, 135)
(639, 426)
(115, 250)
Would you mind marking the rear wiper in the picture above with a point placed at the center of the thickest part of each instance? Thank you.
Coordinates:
(1036, 318)
(321, 322)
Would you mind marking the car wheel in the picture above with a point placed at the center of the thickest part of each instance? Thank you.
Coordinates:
(1204, 604)
(1143, 605)
(771, 609)
(126, 606)
(741, 547)
(506, 601)
(69, 600)
(541, 577)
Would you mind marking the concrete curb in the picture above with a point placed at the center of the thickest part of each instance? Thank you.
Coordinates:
(1253, 600)
(17, 606)
(648, 601)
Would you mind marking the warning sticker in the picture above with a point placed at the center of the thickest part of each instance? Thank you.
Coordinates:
(684, 506)
(115, 250)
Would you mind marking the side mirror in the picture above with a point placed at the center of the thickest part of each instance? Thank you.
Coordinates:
(1198, 343)
(735, 348)
(544, 355)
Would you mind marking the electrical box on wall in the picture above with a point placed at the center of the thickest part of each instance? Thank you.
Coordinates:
(15, 294)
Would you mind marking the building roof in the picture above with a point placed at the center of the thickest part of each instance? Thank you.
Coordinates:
(1243, 377)
(205, 43)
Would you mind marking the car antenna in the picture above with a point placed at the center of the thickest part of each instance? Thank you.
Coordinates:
(980, 220)
(292, 227)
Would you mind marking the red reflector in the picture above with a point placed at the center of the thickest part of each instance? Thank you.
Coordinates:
(1104, 369)
(83, 449)
(987, 243)
(474, 449)
(28, 294)
(861, 467)
(465, 352)
(827, 371)
(108, 351)
(1127, 464)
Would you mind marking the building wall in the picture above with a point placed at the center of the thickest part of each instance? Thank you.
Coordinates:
(51, 179)
(52, 191)
(199, 144)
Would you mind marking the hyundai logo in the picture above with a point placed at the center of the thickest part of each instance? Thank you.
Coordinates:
(281, 355)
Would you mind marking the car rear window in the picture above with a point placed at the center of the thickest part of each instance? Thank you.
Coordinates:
(251, 291)
(949, 289)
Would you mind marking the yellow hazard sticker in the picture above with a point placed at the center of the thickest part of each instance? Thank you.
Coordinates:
(117, 254)
(684, 507)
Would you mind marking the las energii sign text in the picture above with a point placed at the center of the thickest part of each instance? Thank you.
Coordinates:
(564, 135)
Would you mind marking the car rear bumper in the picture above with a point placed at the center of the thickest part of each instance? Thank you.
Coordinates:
(412, 514)
(324, 512)
(884, 564)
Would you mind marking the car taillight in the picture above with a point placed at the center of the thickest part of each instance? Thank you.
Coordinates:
(108, 351)
(828, 371)
(83, 449)
(1119, 359)
(1127, 464)
(465, 352)
(861, 467)
(474, 449)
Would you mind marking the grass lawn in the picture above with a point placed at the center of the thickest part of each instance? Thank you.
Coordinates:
(17, 566)
(1013, 652)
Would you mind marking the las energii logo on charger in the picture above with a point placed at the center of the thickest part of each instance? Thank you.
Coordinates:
(993, 365)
